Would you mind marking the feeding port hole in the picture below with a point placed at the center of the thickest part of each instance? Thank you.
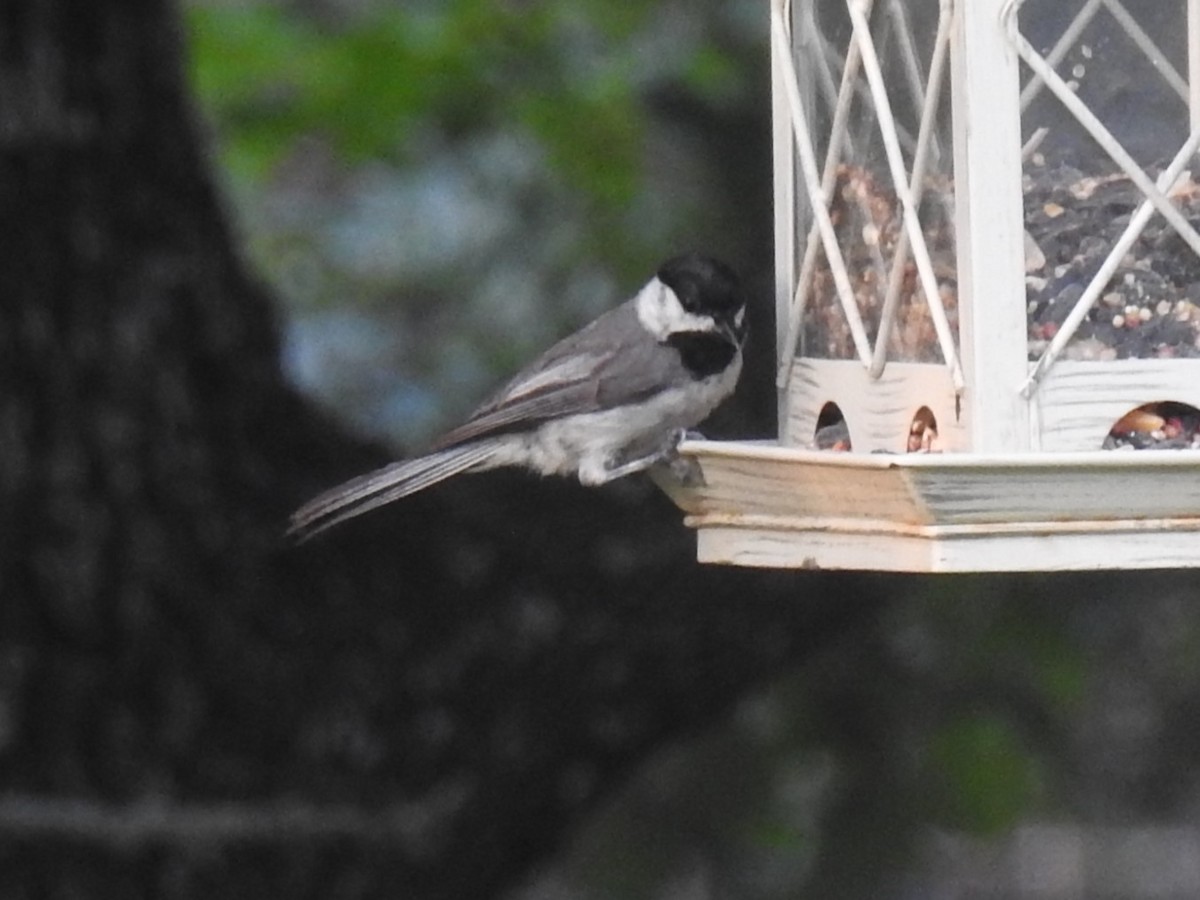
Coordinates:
(1166, 425)
(832, 432)
(923, 432)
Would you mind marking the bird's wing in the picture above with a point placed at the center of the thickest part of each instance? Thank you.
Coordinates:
(610, 362)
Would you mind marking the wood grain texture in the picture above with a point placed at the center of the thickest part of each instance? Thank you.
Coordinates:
(1168, 548)
(1079, 401)
(763, 505)
(879, 412)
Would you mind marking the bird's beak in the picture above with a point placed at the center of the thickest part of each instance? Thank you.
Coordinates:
(734, 329)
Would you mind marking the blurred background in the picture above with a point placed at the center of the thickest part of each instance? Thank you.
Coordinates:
(437, 189)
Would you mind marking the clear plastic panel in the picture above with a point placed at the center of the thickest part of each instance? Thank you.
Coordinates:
(1110, 274)
(865, 202)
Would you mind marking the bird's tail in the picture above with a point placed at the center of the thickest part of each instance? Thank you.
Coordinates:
(366, 492)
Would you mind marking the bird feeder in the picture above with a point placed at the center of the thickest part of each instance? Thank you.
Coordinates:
(987, 291)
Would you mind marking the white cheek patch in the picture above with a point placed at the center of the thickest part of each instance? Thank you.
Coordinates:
(661, 313)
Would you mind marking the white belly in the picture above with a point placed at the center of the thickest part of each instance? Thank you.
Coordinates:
(590, 443)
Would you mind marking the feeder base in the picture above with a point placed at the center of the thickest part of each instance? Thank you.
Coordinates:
(759, 504)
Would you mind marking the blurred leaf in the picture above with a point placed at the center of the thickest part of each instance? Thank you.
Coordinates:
(713, 73)
(269, 75)
(252, 68)
(776, 835)
(592, 136)
(987, 777)
(1040, 651)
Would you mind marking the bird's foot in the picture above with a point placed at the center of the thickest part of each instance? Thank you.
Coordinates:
(681, 471)
(665, 456)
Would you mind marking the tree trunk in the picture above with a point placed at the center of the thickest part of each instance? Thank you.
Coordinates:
(416, 707)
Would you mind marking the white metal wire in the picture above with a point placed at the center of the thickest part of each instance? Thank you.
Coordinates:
(831, 94)
(830, 91)
(838, 137)
(1155, 198)
(1111, 263)
(931, 98)
(1146, 44)
(1096, 128)
(912, 224)
(835, 59)
(1193, 30)
(1136, 34)
(898, 11)
(1035, 140)
(909, 198)
(818, 195)
(1060, 49)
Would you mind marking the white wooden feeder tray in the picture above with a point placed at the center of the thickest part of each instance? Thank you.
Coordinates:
(911, 140)
(761, 504)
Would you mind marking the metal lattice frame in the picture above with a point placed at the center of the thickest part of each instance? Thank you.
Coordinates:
(1045, 75)
(861, 56)
(1022, 485)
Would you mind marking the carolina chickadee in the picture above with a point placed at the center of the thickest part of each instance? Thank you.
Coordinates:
(610, 400)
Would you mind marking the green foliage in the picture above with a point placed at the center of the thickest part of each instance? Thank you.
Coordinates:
(987, 775)
(713, 72)
(401, 165)
(370, 85)
(252, 68)
(592, 137)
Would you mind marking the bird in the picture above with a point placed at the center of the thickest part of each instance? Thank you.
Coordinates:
(610, 400)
